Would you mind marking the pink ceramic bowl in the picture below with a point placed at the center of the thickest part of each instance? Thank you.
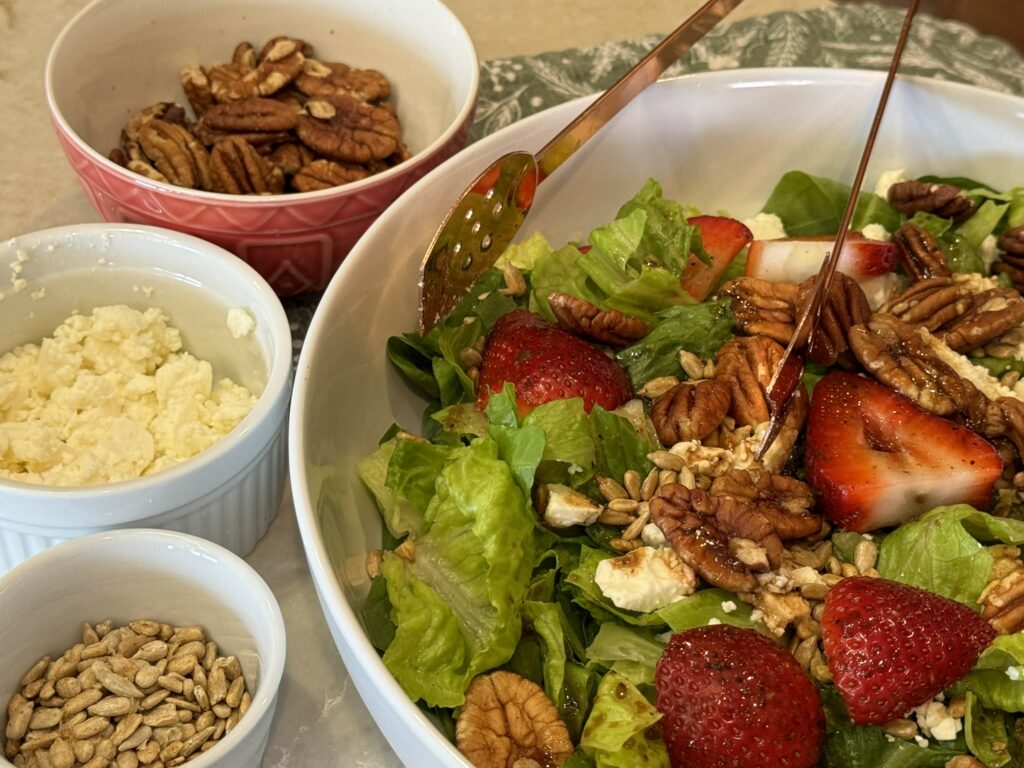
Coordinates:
(119, 56)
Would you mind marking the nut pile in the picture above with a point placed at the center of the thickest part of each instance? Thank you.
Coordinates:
(267, 122)
(144, 694)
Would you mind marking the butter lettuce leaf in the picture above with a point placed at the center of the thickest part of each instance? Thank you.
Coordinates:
(944, 551)
(456, 607)
(618, 732)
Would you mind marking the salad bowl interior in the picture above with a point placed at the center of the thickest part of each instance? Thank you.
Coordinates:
(718, 141)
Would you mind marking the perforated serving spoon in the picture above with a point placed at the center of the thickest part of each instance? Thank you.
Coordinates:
(488, 214)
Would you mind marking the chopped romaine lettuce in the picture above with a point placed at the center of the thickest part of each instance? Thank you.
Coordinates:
(456, 606)
(944, 551)
(618, 733)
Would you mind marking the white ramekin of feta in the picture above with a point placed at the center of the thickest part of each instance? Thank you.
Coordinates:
(144, 382)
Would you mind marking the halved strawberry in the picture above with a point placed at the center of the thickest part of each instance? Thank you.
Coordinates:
(732, 698)
(875, 458)
(723, 238)
(794, 259)
(891, 646)
(546, 363)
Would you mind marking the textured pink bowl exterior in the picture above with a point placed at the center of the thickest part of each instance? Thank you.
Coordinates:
(295, 246)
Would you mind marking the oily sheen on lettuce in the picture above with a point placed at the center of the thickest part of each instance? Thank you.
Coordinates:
(456, 606)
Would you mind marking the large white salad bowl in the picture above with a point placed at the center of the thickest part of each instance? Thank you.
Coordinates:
(719, 141)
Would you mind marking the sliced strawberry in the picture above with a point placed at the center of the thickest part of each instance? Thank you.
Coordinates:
(723, 238)
(794, 259)
(546, 363)
(891, 647)
(875, 458)
(732, 697)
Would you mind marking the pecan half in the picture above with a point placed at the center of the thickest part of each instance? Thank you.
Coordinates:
(896, 354)
(699, 527)
(164, 110)
(329, 78)
(323, 174)
(238, 169)
(746, 364)
(291, 157)
(176, 153)
(234, 81)
(785, 501)
(690, 411)
(244, 56)
(763, 308)
(507, 720)
(993, 313)
(604, 326)
(281, 47)
(358, 132)
(1012, 240)
(249, 116)
(945, 200)
(845, 306)
(919, 253)
(198, 90)
(931, 302)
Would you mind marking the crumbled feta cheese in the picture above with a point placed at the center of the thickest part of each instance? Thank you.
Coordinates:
(728, 606)
(988, 384)
(934, 720)
(974, 282)
(881, 288)
(653, 536)
(645, 579)
(1014, 673)
(240, 322)
(567, 507)
(766, 226)
(109, 396)
(922, 742)
(876, 232)
(714, 621)
(887, 179)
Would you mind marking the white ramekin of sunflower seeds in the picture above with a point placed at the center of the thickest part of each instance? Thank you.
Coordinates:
(137, 648)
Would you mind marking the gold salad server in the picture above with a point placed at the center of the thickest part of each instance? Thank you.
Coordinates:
(488, 214)
(785, 382)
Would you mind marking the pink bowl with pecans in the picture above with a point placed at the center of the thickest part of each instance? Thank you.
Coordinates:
(117, 57)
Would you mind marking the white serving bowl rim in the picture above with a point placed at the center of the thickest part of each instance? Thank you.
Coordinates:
(353, 644)
(271, 663)
(269, 200)
(108, 501)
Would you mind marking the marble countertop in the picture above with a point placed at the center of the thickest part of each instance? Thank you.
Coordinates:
(320, 721)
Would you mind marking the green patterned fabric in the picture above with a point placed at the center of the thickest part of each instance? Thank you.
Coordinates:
(850, 36)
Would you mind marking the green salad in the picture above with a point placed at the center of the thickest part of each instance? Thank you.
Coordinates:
(473, 577)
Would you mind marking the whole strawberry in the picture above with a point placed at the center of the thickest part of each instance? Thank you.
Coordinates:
(732, 698)
(891, 646)
(546, 363)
